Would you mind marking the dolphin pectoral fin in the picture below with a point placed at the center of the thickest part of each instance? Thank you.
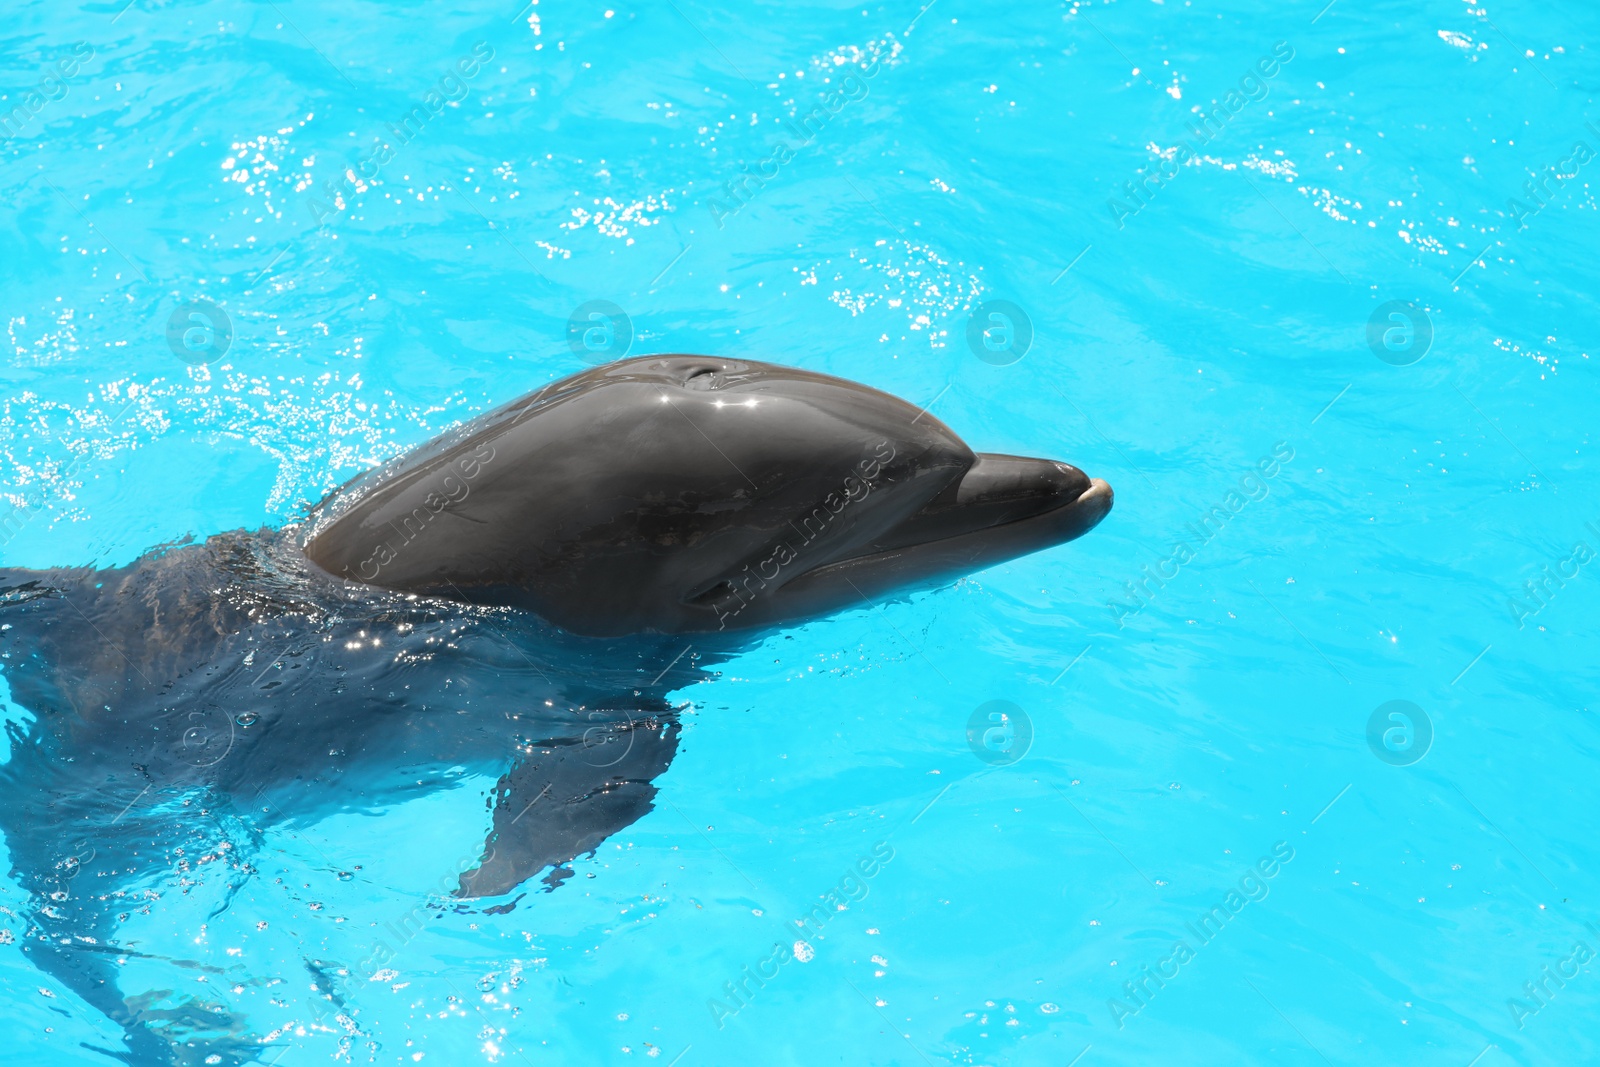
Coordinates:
(568, 796)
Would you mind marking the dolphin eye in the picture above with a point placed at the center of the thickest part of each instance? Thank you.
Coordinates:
(710, 598)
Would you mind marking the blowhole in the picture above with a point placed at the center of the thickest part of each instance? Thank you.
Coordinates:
(700, 378)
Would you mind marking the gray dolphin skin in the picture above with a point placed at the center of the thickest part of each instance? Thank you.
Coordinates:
(514, 602)
(680, 493)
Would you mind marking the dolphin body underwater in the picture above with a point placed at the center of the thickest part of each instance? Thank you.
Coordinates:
(517, 597)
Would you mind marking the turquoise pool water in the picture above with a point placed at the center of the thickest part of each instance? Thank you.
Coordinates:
(1313, 289)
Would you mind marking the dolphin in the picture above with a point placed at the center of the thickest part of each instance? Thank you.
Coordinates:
(681, 494)
(517, 598)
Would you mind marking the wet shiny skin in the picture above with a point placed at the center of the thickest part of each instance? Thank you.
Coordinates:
(688, 493)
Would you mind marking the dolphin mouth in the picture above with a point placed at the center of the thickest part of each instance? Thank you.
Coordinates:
(1003, 507)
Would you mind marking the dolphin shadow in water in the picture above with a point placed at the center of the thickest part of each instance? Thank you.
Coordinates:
(516, 598)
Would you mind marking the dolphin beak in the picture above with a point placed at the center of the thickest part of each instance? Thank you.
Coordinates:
(1001, 508)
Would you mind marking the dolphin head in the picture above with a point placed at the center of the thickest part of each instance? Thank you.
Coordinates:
(682, 493)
